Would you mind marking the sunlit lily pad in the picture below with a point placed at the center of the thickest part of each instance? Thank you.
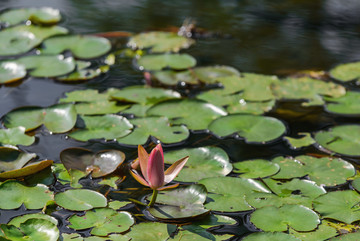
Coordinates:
(296, 143)
(15, 136)
(87, 95)
(340, 205)
(160, 42)
(22, 38)
(82, 46)
(57, 118)
(158, 127)
(346, 105)
(14, 194)
(270, 236)
(32, 229)
(203, 162)
(99, 164)
(347, 237)
(251, 127)
(323, 232)
(44, 15)
(173, 61)
(256, 168)
(21, 219)
(199, 235)
(108, 127)
(195, 114)
(297, 217)
(11, 71)
(170, 77)
(103, 221)
(346, 72)
(118, 204)
(356, 184)
(343, 139)
(151, 231)
(80, 199)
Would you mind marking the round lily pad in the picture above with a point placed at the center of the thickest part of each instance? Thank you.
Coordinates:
(346, 72)
(253, 128)
(203, 162)
(21, 219)
(323, 232)
(297, 217)
(107, 127)
(44, 15)
(82, 46)
(57, 118)
(80, 199)
(256, 168)
(270, 236)
(344, 105)
(173, 61)
(15, 136)
(343, 139)
(87, 95)
(170, 77)
(11, 71)
(151, 231)
(103, 221)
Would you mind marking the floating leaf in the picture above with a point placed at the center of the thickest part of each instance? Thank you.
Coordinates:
(268, 236)
(344, 105)
(71, 177)
(251, 127)
(356, 184)
(57, 118)
(256, 168)
(87, 95)
(347, 237)
(103, 221)
(151, 231)
(170, 77)
(346, 72)
(15, 136)
(199, 235)
(82, 46)
(118, 204)
(84, 71)
(272, 219)
(99, 108)
(203, 162)
(343, 139)
(21, 219)
(158, 127)
(99, 164)
(160, 42)
(173, 61)
(44, 15)
(80, 199)
(323, 232)
(296, 143)
(27, 170)
(11, 71)
(107, 127)
(14, 194)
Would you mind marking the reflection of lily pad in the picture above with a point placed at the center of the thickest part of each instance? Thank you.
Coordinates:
(11, 71)
(346, 72)
(44, 15)
(80, 199)
(203, 162)
(296, 143)
(256, 168)
(151, 231)
(15, 136)
(252, 128)
(173, 61)
(343, 139)
(103, 221)
(270, 236)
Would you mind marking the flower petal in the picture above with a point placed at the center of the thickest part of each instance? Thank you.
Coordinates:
(143, 157)
(168, 187)
(139, 178)
(174, 169)
(155, 171)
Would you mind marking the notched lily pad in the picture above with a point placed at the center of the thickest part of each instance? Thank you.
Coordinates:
(151, 231)
(15, 136)
(344, 105)
(296, 143)
(161, 61)
(346, 72)
(11, 71)
(44, 15)
(323, 232)
(21, 219)
(256, 168)
(80, 199)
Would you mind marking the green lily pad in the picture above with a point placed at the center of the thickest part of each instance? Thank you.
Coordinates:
(170, 77)
(15, 136)
(111, 181)
(158, 127)
(12, 158)
(160, 42)
(103, 221)
(323, 232)
(195, 114)
(57, 118)
(26, 170)
(84, 71)
(99, 164)
(80, 199)
(161, 61)
(118, 204)
(87, 95)
(251, 127)
(340, 205)
(347, 237)
(44, 15)
(356, 184)
(22, 38)
(256, 168)
(269, 236)
(341, 139)
(346, 72)
(78, 237)
(11, 71)
(296, 143)
(151, 231)
(324, 171)
(344, 105)
(82, 46)
(203, 162)
(32, 229)
(64, 176)
(297, 217)
(199, 235)
(310, 90)
(14, 194)
(21, 219)
(107, 127)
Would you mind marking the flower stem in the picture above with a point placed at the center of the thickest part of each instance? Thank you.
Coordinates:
(153, 198)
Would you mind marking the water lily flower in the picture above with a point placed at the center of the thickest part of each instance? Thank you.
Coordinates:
(152, 169)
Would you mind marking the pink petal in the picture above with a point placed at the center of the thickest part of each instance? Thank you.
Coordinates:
(139, 178)
(168, 187)
(155, 171)
(174, 169)
(143, 157)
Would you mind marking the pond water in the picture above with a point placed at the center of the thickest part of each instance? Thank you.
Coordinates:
(258, 36)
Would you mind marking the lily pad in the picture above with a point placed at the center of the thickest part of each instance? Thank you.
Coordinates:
(161, 61)
(14, 194)
(347, 237)
(170, 77)
(356, 184)
(199, 235)
(82, 46)
(107, 127)
(44, 15)
(84, 71)
(160, 42)
(87, 95)
(103, 221)
(15, 136)
(195, 114)
(11, 71)
(118, 204)
(296, 143)
(99, 164)
(256, 168)
(80, 199)
(270, 236)
(151, 231)
(64, 176)
(203, 162)
(344, 105)
(297, 217)
(57, 118)
(340, 205)
(343, 139)
(21, 219)
(346, 72)
(251, 127)
(158, 127)
(26, 170)
(323, 232)
(99, 108)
